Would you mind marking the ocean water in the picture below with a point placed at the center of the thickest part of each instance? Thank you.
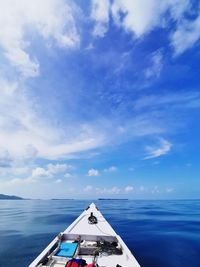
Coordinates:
(159, 233)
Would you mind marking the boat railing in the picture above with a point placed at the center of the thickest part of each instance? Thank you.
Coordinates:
(69, 236)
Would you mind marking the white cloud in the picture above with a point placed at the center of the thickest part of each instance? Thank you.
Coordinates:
(100, 14)
(93, 172)
(50, 170)
(111, 169)
(20, 170)
(114, 190)
(16, 182)
(142, 16)
(128, 189)
(10, 167)
(61, 150)
(143, 189)
(57, 168)
(23, 132)
(5, 159)
(155, 190)
(40, 172)
(156, 66)
(7, 88)
(55, 20)
(154, 152)
(49, 18)
(34, 176)
(88, 188)
(58, 181)
(68, 175)
(186, 35)
(35, 188)
(180, 100)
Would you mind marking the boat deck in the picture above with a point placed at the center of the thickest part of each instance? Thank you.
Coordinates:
(81, 225)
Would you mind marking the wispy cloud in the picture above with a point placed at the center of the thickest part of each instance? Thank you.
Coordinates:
(54, 108)
(12, 183)
(111, 169)
(155, 190)
(68, 175)
(140, 17)
(154, 151)
(5, 159)
(176, 100)
(26, 176)
(100, 14)
(186, 35)
(22, 127)
(58, 181)
(88, 188)
(156, 65)
(40, 173)
(50, 170)
(169, 189)
(51, 19)
(143, 189)
(128, 188)
(23, 130)
(113, 190)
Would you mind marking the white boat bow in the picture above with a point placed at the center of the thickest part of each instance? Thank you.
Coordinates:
(88, 241)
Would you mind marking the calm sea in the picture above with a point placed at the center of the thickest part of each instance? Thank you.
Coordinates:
(159, 233)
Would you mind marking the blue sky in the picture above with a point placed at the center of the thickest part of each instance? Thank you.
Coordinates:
(100, 100)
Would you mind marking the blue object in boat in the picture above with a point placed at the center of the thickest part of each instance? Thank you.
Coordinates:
(67, 250)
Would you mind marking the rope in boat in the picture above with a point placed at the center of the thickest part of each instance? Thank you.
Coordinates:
(102, 231)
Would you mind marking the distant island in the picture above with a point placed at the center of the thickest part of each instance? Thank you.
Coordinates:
(112, 198)
(7, 197)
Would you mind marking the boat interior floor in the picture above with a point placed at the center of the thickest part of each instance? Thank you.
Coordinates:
(103, 254)
(102, 261)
